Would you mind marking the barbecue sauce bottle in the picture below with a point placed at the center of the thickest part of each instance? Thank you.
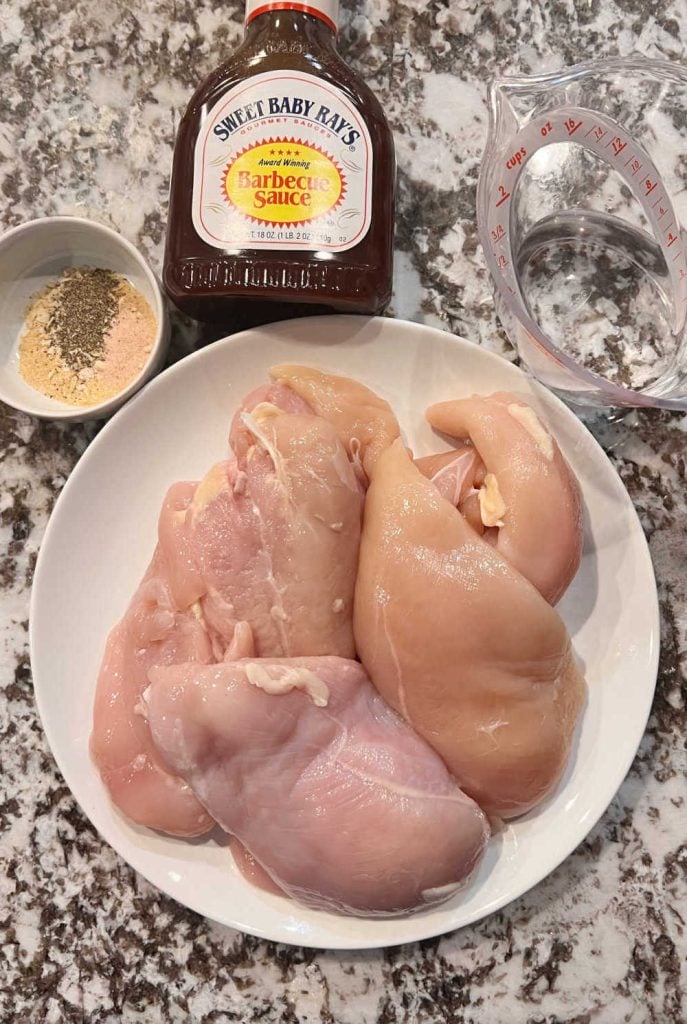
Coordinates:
(283, 179)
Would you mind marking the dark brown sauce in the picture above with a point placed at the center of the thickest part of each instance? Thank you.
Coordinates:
(212, 281)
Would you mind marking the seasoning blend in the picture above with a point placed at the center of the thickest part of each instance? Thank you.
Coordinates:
(284, 174)
(86, 336)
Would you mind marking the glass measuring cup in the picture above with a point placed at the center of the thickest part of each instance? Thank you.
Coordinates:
(580, 201)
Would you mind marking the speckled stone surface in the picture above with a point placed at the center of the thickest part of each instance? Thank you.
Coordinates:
(90, 96)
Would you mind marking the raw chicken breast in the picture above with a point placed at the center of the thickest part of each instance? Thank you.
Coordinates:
(331, 792)
(273, 394)
(458, 475)
(154, 631)
(531, 485)
(177, 559)
(364, 422)
(461, 644)
(454, 472)
(259, 557)
(251, 870)
(275, 537)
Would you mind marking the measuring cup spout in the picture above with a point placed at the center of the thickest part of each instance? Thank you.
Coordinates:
(502, 115)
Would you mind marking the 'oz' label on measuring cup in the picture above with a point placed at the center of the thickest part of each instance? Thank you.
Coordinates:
(283, 161)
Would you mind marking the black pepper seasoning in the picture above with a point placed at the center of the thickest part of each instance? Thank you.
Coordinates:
(84, 305)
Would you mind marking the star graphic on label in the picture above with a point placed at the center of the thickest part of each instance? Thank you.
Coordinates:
(272, 152)
(281, 152)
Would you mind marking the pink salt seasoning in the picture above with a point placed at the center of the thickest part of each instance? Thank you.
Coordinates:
(128, 342)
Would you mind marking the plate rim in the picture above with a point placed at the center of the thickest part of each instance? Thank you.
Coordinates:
(227, 341)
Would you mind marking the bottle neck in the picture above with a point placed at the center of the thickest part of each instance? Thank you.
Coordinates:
(325, 11)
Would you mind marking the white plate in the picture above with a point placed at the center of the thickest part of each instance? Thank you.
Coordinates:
(102, 532)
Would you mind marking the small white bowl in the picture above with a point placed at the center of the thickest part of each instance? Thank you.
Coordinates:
(34, 254)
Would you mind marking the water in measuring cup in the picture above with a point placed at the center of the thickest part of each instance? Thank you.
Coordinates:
(590, 272)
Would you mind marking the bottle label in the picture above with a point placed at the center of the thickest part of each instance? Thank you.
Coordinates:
(326, 10)
(283, 161)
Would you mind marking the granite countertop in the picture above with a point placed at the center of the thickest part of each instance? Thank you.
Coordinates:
(90, 98)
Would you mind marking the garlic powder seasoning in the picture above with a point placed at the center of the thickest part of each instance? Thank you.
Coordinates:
(86, 336)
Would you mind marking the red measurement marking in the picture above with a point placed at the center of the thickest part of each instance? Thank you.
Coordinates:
(683, 273)
(635, 166)
(671, 238)
(502, 262)
(571, 125)
(504, 195)
(618, 145)
(498, 233)
(657, 201)
(677, 255)
(661, 213)
(545, 129)
(649, 185)
(599, 132)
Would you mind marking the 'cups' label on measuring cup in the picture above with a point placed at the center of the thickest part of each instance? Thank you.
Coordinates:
(283, 161)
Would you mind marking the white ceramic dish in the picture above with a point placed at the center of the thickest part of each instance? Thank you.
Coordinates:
(34, 254)
(102, 533)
